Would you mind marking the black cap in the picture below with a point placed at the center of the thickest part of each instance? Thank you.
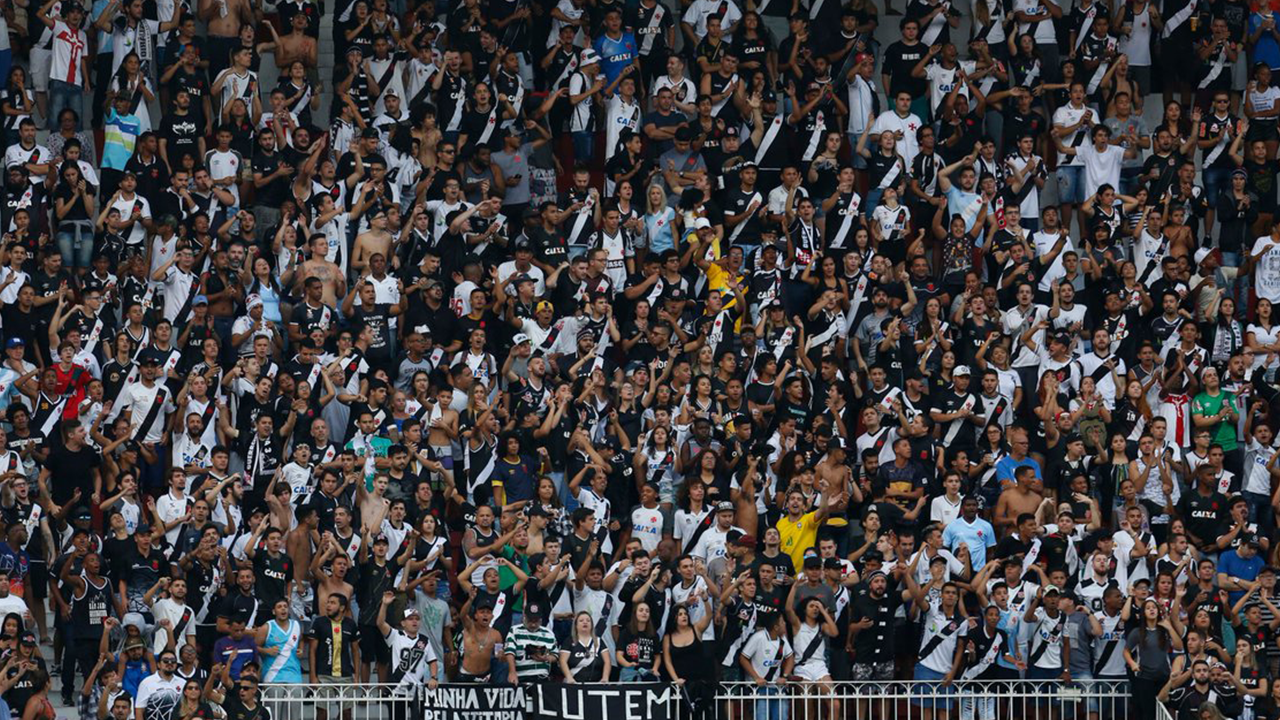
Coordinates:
(831, 563)
(812, 562)
(28, 638)
(534, 610)
(149, 357)
(369, 133)
(684, 134)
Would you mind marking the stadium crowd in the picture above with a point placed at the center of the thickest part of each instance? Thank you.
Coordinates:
(757, 341)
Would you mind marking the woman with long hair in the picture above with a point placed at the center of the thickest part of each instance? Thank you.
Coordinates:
(1263, 336)
(663, 224)
(268, 289)
(1146, 652)
(691, 508)
(933, 336)
(38, 706)
(1252, 678)
(484, 105)
(755, 46)
(1223, 335)
(685, 661)
(131, 82)
(584, 657)
(73, 208)
(192, 705)
(654, 464)
(810, 630)
(1178, 125)
(639, 654)
(17, 101)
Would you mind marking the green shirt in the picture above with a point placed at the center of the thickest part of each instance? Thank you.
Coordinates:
(1206, 405)
(520, 640)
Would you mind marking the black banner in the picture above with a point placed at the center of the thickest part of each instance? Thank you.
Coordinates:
(622, 701)
(548, 701)
(473, 702)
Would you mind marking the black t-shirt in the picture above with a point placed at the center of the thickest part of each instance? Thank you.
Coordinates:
(74, 470)
(181, 134)
(899, 60)
(273, 193)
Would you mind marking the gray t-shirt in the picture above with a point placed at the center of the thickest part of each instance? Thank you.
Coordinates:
(1135, 125)
(512, 164)
(1152, 652)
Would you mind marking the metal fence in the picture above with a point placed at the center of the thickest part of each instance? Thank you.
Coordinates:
(371, 701)
(797, 700)
(902, 700)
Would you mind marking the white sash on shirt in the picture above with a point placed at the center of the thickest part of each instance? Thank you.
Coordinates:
(770, 135)
(489, 125)
(939, 21)
(755, 198)
(1214, 70)
(892, 175)
(815, 138)
(1178, 18)
(837, 242)
(655, 21)
(959, 422)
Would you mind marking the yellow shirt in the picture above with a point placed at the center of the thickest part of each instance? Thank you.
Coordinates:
(798, 536)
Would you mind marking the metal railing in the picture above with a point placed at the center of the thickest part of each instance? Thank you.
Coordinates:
(925, 700)
(793, 700)
(338, 701)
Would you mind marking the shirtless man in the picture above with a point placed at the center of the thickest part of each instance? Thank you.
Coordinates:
(374, 241)
(334, 581)
(223, 19)
(442, 426)
(330, 275)
(374, 505)
(1023, 497)
(480, 642)
(298, 544)
(297, 46)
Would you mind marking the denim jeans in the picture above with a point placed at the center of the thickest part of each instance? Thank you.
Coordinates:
(767, 709)
(583, 146)
(63, 95)
(75, 243)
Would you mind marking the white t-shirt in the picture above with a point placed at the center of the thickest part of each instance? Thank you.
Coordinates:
(1100, 168)
(1266, 272)
(69, 47)
(763, 652)
(1068, 115)
(907, 145)
(224, 165)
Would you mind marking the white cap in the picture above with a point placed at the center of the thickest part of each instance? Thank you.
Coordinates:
(520, 338)
(1201, 254)
(252, 301)
(701, 223)
(960, 370)
(589, 57)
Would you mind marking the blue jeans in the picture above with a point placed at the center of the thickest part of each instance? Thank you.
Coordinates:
(1259, 508)
(1216, 179)
(583, 146)
(75, 244)
(63, 95)
(636, 674)
(767, 709)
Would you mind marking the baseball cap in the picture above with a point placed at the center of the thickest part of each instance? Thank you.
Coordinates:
(534, 610)
(724, 506)
(410, 612)
(701, 223)
(588, 57)
(253, 301)
(544, 305)
(520, 339)
(28, 638)
(960, 370)
(369, 133)
(15, 341)
(200, 300)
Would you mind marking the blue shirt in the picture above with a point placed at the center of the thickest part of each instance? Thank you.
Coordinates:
(1006, 468)
(1267, 49)
(615, 55)
(978, 536)
(1232, 565)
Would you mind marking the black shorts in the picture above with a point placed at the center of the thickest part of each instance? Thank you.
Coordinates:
(373, 646)
(37, 580)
